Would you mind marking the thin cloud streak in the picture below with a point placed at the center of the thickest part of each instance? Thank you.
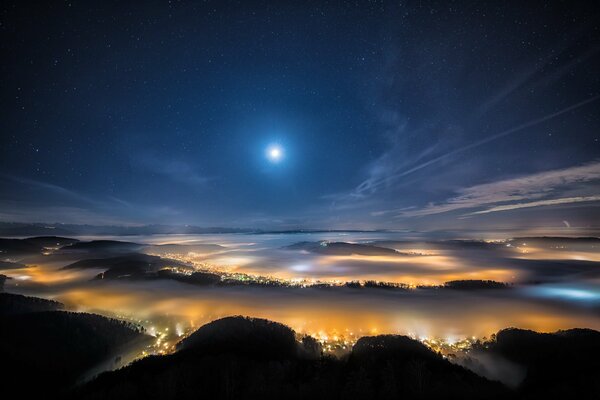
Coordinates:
(48, 187)
(526, 188)
(540, 203)
(176, 170)
(521, 80)
(70, 206)
(373, 185)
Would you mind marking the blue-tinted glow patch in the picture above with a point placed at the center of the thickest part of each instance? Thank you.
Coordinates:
(568, 293)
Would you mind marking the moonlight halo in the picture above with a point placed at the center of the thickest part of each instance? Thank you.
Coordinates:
(275, 153)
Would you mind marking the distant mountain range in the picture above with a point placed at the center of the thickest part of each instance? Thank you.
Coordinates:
(36, 229)
(12, 229)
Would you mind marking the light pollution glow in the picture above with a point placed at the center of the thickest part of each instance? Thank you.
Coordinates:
(342, 312)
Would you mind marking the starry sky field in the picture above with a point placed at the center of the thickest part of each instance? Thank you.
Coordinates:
(283, 115)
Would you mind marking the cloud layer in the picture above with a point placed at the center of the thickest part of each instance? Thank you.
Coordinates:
(535, 190)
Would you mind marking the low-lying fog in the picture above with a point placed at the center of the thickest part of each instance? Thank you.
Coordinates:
(554, 283)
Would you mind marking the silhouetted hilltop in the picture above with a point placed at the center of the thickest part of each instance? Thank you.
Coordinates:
(469, 284)
(50, 241)
(341, 248)
(472, 244)
(131, 265)
(33, 245)
(384, 347)
(249, 358)
(12, 304)
(165, 249)
(555, 270)
(394, 366)
(556, 239)
(143, 266)
(18, 247)
(564, 363)
(103, 246)
(474, 284)
(44, 352)
(242, 336)
(377, 285)
(450, 244)
(195, 278)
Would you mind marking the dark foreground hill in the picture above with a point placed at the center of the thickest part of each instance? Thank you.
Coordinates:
(565, 364)
(44, 353)
(244, 358)
(13, 304)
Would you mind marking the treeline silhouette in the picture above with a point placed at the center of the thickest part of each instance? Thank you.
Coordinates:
(3, 279)
(44, 352)
(11, 304)
(32, 245)
(247, 358)
(138, 266)
(376, 285)
(469, 284)
(342, 248)
(565, 364)
(130, 266)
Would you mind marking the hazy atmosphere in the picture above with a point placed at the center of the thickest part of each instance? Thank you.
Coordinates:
(300, 200)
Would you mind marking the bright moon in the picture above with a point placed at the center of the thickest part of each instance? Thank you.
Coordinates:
(274, 153)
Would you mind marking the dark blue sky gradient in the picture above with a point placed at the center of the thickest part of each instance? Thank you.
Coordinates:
(161, 113)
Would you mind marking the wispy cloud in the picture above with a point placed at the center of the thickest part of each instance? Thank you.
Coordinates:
(48, 187)
(66, 205)
(533, 190)
(386, 171)
(174, 169)
(525, 79)
(539, 203)
(373, 183)
(381, 213)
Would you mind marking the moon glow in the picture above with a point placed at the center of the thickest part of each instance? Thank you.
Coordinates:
(274, 153)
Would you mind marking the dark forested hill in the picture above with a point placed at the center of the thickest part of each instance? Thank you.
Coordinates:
(245, 358)
(44, 352)
(12, 304)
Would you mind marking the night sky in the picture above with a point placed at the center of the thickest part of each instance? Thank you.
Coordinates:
(400, 115)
